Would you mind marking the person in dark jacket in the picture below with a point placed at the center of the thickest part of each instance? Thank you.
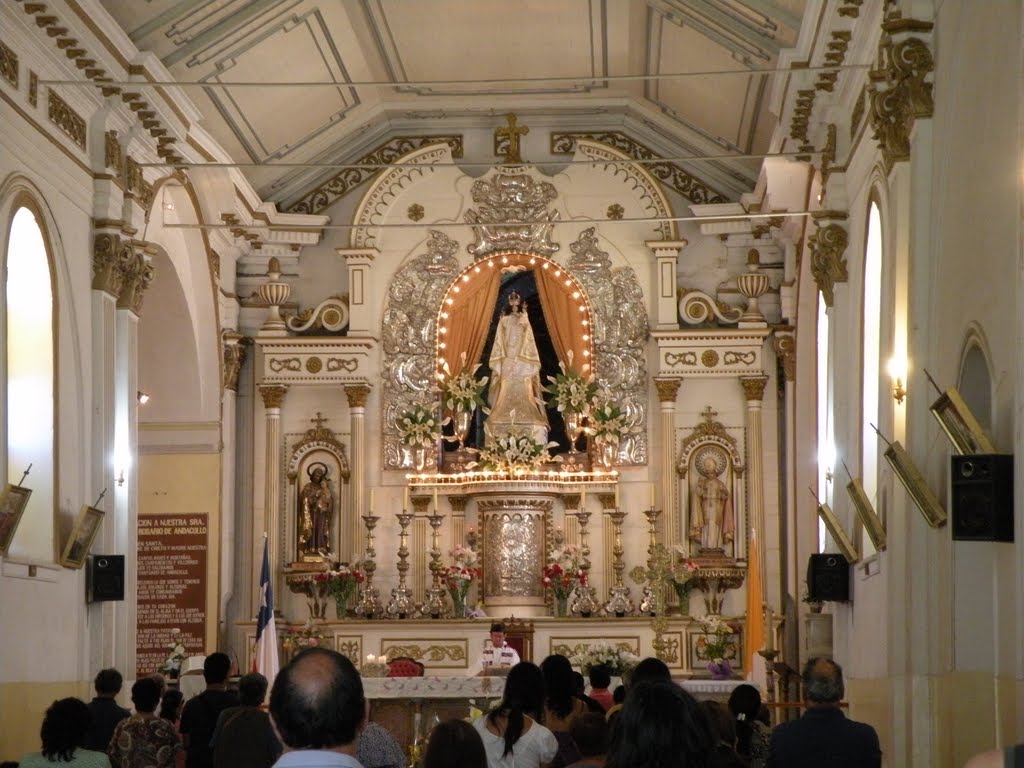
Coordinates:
(824, 735)
(105, 711)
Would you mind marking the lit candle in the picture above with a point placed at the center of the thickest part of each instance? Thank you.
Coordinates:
(405, 499)
(769, 641)
(652, 494)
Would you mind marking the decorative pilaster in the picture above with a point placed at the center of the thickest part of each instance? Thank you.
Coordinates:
(753, 392)
(668, 390)
(898, 91)
(233, 355)
(666, 256)
(273, 399)
(359, 261)
(784, 343)
(828, 254)
(357, 395)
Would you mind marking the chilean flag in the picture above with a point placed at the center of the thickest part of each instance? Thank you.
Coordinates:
(265, 658)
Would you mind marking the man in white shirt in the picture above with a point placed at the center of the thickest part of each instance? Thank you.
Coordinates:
(499, 656)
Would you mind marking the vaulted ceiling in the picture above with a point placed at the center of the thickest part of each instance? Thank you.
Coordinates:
(296, 88)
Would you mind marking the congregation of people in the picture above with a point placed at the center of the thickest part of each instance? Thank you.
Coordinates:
(318, 716)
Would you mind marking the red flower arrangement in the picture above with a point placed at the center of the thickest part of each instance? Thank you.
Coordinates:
(562, 581)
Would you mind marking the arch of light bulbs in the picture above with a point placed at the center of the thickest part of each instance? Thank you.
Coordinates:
(503, 260)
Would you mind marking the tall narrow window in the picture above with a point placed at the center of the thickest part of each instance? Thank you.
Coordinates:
(826, 449)
(30, 382)
(871, 366)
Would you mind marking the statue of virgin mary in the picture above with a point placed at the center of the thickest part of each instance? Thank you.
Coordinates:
(515, 393)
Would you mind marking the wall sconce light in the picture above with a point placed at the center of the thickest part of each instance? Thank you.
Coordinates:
(898, 373)
(827, 459)
(120, 478)
(143, 397)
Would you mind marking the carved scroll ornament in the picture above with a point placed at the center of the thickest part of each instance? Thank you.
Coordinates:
(512, 214)
(898, 91)
(828, 259)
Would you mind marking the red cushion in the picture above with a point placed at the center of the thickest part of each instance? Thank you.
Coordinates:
(405, 668)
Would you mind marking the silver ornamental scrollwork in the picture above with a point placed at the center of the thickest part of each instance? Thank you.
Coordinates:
(506, 201)
(409, 327)
(620, 333)
(513, 533)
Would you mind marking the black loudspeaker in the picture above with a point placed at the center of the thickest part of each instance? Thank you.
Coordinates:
(982, 497)
(828, 578)
(104, 578)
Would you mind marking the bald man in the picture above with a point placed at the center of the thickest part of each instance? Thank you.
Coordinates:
(824, 735)
(318, 709)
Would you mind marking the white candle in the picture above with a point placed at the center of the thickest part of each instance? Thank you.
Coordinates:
(769, 640)
(436, 510)
(652, 494)
(405, 499)
(617, 496)
(583, 499)
(371, 501)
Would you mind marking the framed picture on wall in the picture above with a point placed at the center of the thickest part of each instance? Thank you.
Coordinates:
(87, 524)
(13, 501)
(961, 427)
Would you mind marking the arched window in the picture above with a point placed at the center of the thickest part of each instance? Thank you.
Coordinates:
(871, 352)
(826, 446)
(30, 323)
(976, 386)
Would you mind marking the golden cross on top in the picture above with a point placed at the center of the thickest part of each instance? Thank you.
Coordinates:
(709, 414)
(319, 420)
(512, 133)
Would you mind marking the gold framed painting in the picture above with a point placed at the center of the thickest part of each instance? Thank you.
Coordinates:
(838, 533)
(79, 542)
(961, 427)
(13, 501)
(915, 484)
(868, 517)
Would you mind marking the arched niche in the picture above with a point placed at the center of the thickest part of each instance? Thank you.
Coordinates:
(319, 446)
(976, 382)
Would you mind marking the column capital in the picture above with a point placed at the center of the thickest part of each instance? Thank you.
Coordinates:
(667, 388)
(784, 344)
(357, 395)
(273, 395)
(666, 248)
(234, 345)
(753, 387)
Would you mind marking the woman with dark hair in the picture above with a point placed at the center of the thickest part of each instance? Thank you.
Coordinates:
(145, 740)
(561, 705)
(511, 733)
(660, 726)
(63, 734)
(170, 705)
(454, 744)
(752, 736)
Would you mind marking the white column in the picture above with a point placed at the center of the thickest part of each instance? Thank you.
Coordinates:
(126, 494)
(668, 389)
(352, 533)
(784, 344)
(234, 357)
(273, 398)
(663, 288)
(753, 391)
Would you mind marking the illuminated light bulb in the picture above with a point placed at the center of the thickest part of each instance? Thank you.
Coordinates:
(442, 329)
(582, 308)
(456, 289)
(586, 322)
(504, 259)
(465, 278)
(477, 269)
(586, 352)
(533, 261)
(490, 263)
(449, 301)
(442, 345)
(568, 283)
(444, 315)
(558, 273)
(575, 294)
(546, 265)
(586, 337)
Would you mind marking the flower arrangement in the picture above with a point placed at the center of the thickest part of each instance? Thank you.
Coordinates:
(563, 574)
(463, 390)
(419, 426)
(341, 582)
(458, 576)
(515, 452)
(618, 658)
(683, 573)
(717, 646)
(571, 390)
(177, 654)
(307, 636)
(608, 421)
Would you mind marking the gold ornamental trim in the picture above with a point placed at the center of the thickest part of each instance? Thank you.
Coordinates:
(753, 387)
(109, 256)
(8, 65)
(570, 646)
(33, 88)
(898, 91)
(784, 345)
(113, 158)
(314, 364)
(709, 358)
(234, 357)
(683, 182)
(828, 259)
(339, 185)
(445, 654)
(64, 117)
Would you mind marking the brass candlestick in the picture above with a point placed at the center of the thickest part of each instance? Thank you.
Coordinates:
(369, 602)
(618, 564)
(769, 663)
(435, 603)
(620, 603)
(402, 603)
(586, 601)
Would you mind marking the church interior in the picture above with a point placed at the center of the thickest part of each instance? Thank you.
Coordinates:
(615, 321)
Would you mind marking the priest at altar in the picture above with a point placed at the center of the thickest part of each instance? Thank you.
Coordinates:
(498, 657)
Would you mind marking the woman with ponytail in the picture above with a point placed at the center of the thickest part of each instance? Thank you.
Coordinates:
(512, 734)
(752, 736)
